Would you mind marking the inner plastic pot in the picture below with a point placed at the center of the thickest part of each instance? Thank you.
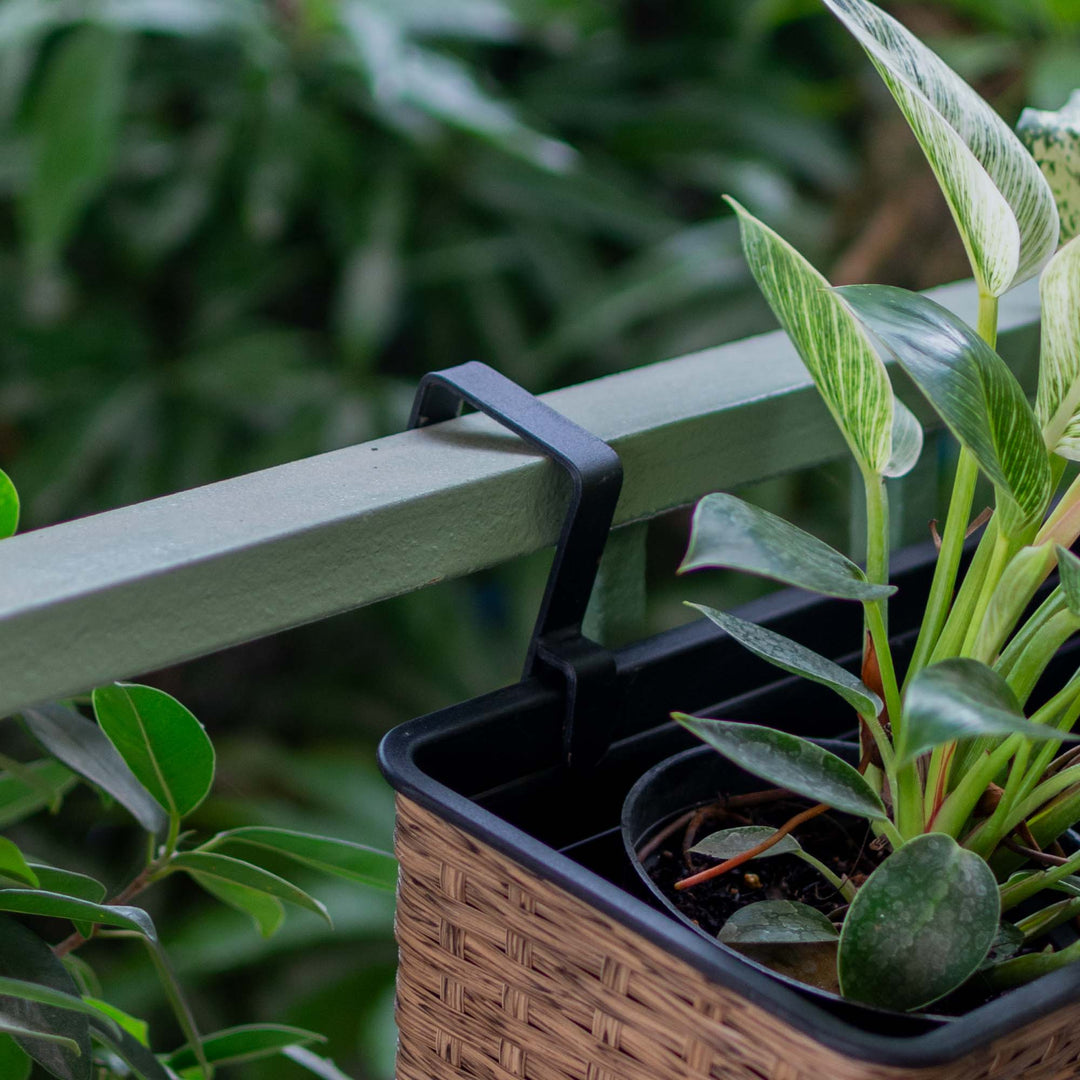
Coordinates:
(695, 778)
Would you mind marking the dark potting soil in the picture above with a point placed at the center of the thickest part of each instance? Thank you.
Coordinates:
(842, 842)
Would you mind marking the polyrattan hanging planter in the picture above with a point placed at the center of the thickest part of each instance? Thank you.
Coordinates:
(528, 947)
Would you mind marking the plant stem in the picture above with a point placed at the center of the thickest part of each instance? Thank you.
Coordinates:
(956, 524)
(998, 558)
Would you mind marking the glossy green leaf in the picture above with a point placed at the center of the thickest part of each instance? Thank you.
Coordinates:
(727, 843)
(790, 656)
(267, 911)
(162, 743)
(14, 865)
(907, 441)
(73, 134)
(343, 858)
(19, 799)
(967, 383)
(246, 1043)
(728, 532)
(9, 507)
(1054, 141)
(1000, 200)
(24, 956)
(237, 872)
(1057, 404)
(112, 1017)
(57, 906)
(58, 880)
(47, 995)
(1069, 575)
(23, 1033)
(80, 744)
(845, 368)
(14, 1062)
(137, 1057)
(789, 762)
(921, 924)
(961, 699)
(777, 922)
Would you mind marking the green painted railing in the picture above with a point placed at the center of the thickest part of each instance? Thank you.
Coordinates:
(121, 593)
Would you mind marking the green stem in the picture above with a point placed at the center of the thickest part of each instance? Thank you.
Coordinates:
(179, 1006)
(962, 800)
(998, 559)
(1014, 652)
(956, 524)
(1011, 895)
(844, 887)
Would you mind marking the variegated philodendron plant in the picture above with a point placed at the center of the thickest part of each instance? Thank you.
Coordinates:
(968, 787)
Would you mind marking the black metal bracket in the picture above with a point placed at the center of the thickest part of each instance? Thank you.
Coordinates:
(558, 651)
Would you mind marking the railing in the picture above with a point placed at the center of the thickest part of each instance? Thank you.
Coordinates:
(128, 591)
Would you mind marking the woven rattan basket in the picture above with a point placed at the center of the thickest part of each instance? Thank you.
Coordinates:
(529, 949)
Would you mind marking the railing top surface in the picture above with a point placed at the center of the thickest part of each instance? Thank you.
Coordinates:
(124, 592)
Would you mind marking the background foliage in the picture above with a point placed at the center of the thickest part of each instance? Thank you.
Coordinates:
(233, 232)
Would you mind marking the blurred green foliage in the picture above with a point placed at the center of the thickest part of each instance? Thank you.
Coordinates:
(233, 232)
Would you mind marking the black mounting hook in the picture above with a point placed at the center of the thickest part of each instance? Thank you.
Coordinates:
(584, 669)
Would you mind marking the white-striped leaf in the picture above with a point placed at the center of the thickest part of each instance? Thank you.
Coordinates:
(969, 386)
(845, 368)
(790, 656)
(907, 441)
(999, 198)
(1069, 573)
(1057, 405)
(735, 535)
(1054, 141)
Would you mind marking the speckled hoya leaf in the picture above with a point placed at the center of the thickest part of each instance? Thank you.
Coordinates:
(920, 926)
(777, 922)
(1054, 141)
(970, 387)
(847, 371)
(1000, 200)
(790, 656)
(730, 533)
(1057, 405)
(789, 762)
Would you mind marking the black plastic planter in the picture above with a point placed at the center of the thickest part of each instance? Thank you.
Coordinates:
(495, 772)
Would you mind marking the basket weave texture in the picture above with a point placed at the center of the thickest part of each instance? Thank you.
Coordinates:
(506, 976)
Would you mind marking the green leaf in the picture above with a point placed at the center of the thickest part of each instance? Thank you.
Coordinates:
(777, 922)
(24, 956)
(130, 1050)
(14, 1063)
(907, 441)
(24, 1034)
(117, 1018)
(1054, 141)
(163, 744)
(789, 762)
(54, 879)
(790, 656)
(1000, 200)
(1057, 405)
(9, 507)
(322, 1067)
(1069, 574)
(727, 532)
(74, 127)
(45, 995)
(968, 384)
(919, 926)
(237, 872)
(727, 843)
(960, 699)
(845, 368)
(80, 744)
(267, 911)
(56, 906)
(354, 862)
(246, 1043)
(13, 865)
(19, 799)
